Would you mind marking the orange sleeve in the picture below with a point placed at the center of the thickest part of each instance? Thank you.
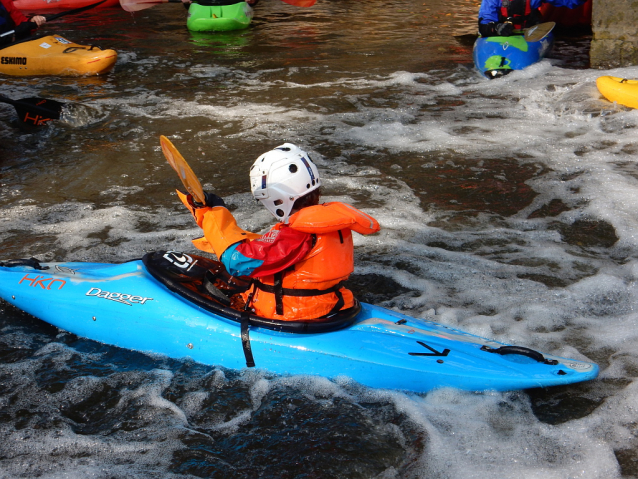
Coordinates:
(220, 228)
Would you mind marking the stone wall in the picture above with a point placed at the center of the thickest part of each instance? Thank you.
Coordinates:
(615, 33)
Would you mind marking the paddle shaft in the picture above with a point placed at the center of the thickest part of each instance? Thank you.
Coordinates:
(61, 14)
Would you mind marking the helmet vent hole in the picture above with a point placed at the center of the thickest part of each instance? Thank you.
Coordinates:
(279, 212)
(308, 185)
(313, 182)
(278, 202)
(292, 168)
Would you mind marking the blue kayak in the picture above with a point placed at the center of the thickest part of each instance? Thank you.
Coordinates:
(498, 56)
(158, 305)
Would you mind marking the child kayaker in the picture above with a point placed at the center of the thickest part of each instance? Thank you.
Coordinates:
(502, 17)
(298, 266)
(13, 19)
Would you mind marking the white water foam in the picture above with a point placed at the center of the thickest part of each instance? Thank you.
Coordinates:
(552, 117)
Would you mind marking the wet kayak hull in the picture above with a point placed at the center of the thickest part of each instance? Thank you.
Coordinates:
(38, 6)
(498, 56)
(619, 90)
(125, 305)
(55, 55)
(222, 18)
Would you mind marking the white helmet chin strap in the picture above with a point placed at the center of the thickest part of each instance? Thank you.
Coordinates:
(280, 176)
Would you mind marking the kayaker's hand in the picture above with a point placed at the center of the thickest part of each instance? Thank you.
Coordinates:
(25, 28)
(210, 200)
(504, 29)
(39, 20)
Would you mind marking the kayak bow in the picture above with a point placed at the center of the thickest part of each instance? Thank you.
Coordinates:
(55, 55)
(498, 56)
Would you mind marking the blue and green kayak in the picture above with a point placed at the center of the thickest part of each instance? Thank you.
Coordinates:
(218, 16)
(498, 56)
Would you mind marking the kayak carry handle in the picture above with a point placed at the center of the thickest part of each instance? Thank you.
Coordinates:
(522, 351)
(34, 263)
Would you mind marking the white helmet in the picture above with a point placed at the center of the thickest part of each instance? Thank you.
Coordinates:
(280, 176)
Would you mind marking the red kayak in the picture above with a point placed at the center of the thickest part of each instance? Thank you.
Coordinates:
(58, 5)
(566, 17)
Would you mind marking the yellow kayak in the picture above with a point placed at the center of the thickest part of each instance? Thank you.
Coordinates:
(55, 55)
(620, 90)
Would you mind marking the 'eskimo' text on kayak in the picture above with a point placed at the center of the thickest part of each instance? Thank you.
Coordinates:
(119, 297)
(13, 61)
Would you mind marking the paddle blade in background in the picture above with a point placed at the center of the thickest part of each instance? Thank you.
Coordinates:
(37, 111)
(137, 5)
(301, 3)
(177, 161)
(538, 32)
(34, 111)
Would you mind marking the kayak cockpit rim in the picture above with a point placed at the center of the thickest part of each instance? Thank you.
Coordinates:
(340, 320)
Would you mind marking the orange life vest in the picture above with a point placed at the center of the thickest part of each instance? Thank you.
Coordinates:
(310, 288)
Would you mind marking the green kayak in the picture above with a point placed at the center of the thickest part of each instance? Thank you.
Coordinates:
(218, 17)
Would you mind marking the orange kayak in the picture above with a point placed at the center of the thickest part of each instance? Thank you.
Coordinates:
(55, 55)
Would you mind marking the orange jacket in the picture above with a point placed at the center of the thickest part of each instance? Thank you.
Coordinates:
(298, 292)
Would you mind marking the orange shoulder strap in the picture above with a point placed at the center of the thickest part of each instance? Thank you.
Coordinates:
(333, 216)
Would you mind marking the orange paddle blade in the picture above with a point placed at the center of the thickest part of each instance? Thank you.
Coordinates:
(177, 161)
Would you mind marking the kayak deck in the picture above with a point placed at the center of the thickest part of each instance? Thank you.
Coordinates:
(126, 306)
(219, 18)
(55, 55)
(498, 56)
(619, 90)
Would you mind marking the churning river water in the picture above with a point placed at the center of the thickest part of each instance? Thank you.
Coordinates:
(509, 209)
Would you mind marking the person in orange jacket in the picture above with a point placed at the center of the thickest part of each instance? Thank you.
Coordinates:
(13, 19)
(298, 267)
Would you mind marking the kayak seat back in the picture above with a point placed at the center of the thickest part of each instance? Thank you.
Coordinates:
(186, 275)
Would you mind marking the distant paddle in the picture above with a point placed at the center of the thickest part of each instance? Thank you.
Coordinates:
(35, 111)
(538, 32)
(177, 161)
(61, 14)
(531, 34)
(137, 5)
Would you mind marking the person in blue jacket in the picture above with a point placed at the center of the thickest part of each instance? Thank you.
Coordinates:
(502, 17)
(13, 19)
